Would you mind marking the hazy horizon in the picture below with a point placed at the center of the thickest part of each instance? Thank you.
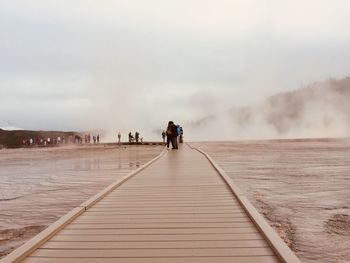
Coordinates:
(134, 65)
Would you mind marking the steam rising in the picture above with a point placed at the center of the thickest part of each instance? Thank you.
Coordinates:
(320, 110)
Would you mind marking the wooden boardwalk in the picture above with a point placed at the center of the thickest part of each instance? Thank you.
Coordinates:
(179, 209)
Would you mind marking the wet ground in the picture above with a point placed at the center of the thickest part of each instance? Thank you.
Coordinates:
(38, 186)
(302, 187)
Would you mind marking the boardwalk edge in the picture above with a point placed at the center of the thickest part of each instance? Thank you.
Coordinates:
(31, 245)
(284, 253)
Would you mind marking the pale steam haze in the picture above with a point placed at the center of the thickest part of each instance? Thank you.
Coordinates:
(134, 65)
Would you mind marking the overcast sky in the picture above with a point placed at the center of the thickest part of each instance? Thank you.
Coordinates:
(120, 65)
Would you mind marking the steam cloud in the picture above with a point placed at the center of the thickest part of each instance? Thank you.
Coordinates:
(319, 110)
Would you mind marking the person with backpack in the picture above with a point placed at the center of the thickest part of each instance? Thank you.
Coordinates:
(172, 135)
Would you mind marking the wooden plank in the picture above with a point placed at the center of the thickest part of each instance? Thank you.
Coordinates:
(141, 253)
(128, 187)
(156, 237)
(158, 225)
(170, 209)
(113, 220)
(245, 259)
(152, 205)
(150, 212)
(170, 198)
(156, 244)
(163, 215)
(167, 202)
(195, 232)
(203, 194)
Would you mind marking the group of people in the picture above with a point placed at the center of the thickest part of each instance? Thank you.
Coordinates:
(43, 141)
(95, 138)
(77, 139)
(133, 138)
(173, 135)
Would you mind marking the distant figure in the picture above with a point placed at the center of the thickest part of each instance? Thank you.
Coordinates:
(98, 138)
(94, 139)
(137, 136)
(119, 137)
(178, 133)
(163, 136)
(130, 137)
(168, 134)
(181, 140)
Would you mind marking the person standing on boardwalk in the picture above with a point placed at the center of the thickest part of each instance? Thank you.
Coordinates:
(168, 134)
(119, 137)
(163, 136)
(130, 137)
(137, 136)
(181, 135)
(172, 135)
(178, 134)
(98, 138)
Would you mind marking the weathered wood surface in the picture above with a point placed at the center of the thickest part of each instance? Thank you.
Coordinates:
(179, 209)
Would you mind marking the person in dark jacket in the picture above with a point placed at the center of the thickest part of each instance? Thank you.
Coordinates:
(137, 136)
(171, 134)
(168, 134)
(175, 133)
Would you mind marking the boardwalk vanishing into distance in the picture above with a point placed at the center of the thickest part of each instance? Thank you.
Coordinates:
(180, 207)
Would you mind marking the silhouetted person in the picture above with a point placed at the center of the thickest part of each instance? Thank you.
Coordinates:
(137, 136)
(168, 134)
(163, 136)
(130, 137)
(119, 137)
(172, 135)
(98, 138)
(181, 140)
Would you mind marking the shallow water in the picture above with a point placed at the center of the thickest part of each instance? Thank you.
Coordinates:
(38, 186)
(302, 187)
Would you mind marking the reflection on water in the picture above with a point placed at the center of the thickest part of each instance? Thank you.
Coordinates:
(37, 186)
(302, 187)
